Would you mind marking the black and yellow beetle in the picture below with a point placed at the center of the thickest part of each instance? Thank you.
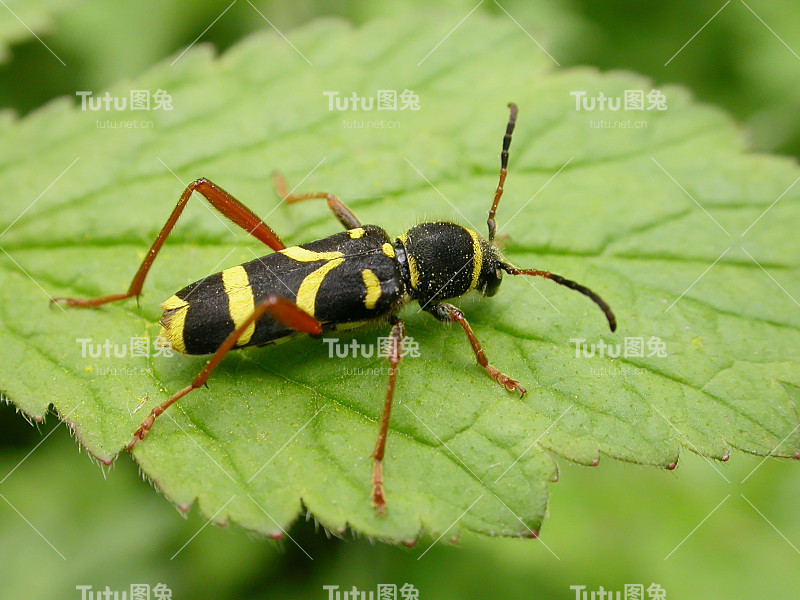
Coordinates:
(350, 278)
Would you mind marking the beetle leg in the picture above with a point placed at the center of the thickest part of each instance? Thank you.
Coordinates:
(448, 313)
(230, 208)
(397, 336)
(281, 309)
(338, 208)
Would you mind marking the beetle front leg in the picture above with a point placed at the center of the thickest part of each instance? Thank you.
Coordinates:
(449, 313)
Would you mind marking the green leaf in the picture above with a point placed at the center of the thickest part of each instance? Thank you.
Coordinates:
(630, 212)
(20, 21)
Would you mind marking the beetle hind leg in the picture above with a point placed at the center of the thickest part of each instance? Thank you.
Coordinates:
(223, 201)
(279, 308)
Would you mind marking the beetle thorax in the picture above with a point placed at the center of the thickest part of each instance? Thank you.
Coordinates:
(446, 260)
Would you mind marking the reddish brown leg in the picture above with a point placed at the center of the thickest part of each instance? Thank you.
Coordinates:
(397, 336)
(338, 208)
(448, 312)
(229, 206)
(281, 309)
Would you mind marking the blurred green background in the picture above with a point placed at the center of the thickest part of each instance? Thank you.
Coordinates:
(609, 526)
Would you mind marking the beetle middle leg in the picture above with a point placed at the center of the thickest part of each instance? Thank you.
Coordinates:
(280, 308)
(449, 313)
(338, 208)
(397, 336)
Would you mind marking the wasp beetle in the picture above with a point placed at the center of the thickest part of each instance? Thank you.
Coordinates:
(350, 278)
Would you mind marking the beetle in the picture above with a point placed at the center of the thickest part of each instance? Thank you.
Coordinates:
(351, 278)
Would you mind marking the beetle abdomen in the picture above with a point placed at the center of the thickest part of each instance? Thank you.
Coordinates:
(348, 277)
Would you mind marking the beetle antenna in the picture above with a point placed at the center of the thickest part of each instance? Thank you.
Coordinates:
(512, 119)
(612, 321)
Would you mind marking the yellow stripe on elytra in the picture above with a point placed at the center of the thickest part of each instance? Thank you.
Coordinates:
(172, 329)
(373, 285)
(477, 258)
(307, 292)
(305, 255)
(172, 303)
(355, 233)
(413, 270)
(388, 250)
(241, 303)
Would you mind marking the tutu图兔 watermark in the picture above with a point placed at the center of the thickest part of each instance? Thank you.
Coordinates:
(633, 347)
(137, 591)
(630, 100)
(136, 100)
(381, 100)
(385, 347)
(384, 591)
(137, 347)
(631, 591)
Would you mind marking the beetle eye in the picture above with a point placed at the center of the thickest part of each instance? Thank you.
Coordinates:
(493, 282)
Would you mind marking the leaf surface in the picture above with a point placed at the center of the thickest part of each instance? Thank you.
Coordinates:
(658, 219)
